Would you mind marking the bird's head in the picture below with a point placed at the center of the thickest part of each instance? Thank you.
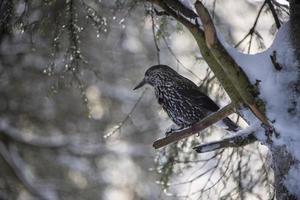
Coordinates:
(157, 75)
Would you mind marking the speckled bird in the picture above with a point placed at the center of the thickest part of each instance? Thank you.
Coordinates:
(182, 100)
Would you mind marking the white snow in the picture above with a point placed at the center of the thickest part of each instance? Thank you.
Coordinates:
(209, 148)
(187, 3)
(292, 180)
(276, 90)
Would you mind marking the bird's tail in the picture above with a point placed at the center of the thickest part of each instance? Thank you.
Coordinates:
(231, 125)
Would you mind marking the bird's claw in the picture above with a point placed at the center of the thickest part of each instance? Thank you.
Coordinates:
(172, 129)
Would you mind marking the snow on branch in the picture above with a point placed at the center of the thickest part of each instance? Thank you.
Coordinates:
(233, 71)
(196, 128)
(239, 140)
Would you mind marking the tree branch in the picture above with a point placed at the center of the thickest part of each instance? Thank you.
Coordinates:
(18, 171)
(46, 142)
(196, 128)
(273, 11)
(178, 6)
(232, 70)
(238, 140)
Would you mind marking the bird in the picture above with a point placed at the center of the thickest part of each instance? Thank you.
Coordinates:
(180, 98)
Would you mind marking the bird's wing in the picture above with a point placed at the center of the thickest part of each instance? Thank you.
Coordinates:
(199, 98)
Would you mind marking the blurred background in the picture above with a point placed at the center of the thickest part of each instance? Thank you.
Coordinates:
(71, 127)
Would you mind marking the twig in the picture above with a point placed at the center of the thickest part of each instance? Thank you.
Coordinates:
(126, 118)
(235, 141)
(274, 61)
(177, 59)
(252, 29)
(154, 34)
(179, 7)
(273, 11)
(160, 13)
(203, 124)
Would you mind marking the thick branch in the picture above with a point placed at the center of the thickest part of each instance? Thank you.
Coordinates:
(196, 128)
(233, 71)
(235, 141)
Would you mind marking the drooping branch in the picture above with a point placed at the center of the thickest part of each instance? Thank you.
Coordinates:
(196, 128)
(238, 140)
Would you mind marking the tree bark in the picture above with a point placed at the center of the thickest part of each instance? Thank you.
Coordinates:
(6, 8)
(282, 160)
(295, 24)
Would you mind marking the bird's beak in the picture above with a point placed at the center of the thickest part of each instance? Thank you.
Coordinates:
(141, 84)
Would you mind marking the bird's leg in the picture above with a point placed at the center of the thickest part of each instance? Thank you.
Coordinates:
(173, 128)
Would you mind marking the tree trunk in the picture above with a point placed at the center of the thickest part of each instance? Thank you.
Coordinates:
(295, 22)
(6, 8)
(282, 160)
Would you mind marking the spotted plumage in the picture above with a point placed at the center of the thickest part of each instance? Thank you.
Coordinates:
(182, 100)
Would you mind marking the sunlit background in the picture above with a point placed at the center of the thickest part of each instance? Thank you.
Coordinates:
(75, 129)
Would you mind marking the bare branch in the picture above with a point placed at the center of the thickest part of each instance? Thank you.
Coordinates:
(196, 128)
(179, 7)
(32, 140)
(18, 171)
(273, 11)
(161, 13)
(128, 116)
(238, 140)
(154, 34)
(252, 29)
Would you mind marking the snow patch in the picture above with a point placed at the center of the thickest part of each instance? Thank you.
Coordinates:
(292, 180)
(188, 4)
(276, 90)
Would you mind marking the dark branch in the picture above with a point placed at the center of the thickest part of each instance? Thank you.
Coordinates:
(273, 11)
(252, 29)
(179, 7)
(196, 128)
(274, 61)
(235, 141)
